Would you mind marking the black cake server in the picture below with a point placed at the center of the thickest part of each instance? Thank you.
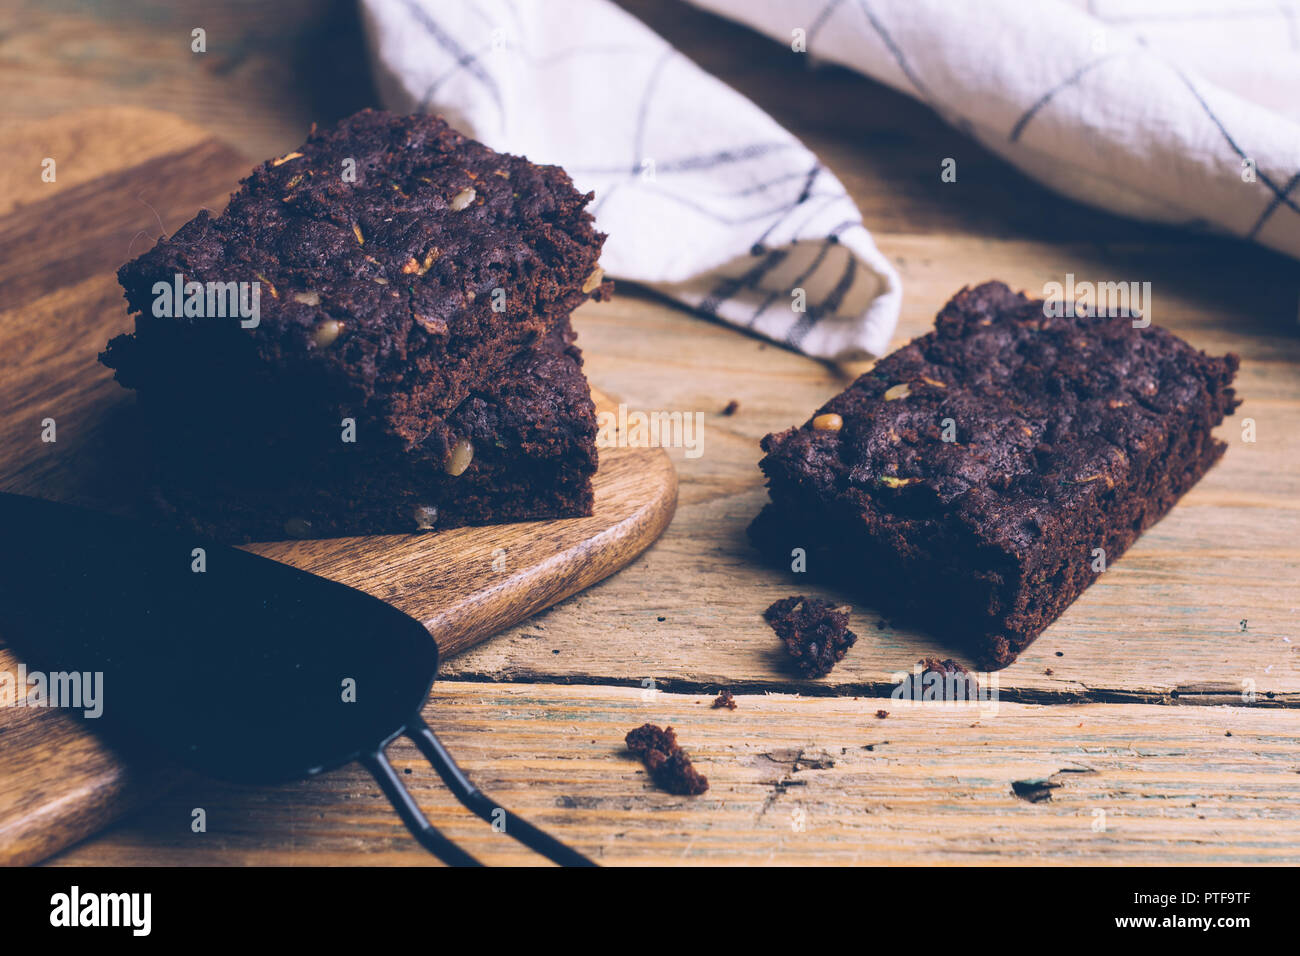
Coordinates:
(228, 663)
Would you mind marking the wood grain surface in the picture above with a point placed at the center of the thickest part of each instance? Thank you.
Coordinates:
(1194, 633)
(59, 304)
(792, 780)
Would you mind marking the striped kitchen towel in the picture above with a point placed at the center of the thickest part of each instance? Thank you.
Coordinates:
(1176, 111)
(704, 196)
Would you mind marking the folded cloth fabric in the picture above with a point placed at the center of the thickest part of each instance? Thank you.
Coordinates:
(704, 196)
(1177, 111)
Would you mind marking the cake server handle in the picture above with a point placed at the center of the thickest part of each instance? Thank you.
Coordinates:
(424, 831)
(484, 807)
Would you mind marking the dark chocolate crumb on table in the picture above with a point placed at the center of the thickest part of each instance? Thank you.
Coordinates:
(815, 632)
(941, 680)
(724, 699)
(668, 764)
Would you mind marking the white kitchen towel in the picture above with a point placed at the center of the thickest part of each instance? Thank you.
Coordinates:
(1177, 111)
(704, 196)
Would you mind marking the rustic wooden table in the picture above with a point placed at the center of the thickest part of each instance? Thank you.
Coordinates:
(1155, 722)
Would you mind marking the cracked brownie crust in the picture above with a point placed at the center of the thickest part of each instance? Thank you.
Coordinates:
(968, 479)
(400, 266)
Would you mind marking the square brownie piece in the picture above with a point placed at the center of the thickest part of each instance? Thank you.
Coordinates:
(521, 449)
(395, 265)
(972, 479)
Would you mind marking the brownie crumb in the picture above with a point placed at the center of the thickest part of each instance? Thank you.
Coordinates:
(948, 666)
(954, 682)
(1034, 791)
(882, 714)
(1048, 671)
(669, 765)
(733, 406)
(724, 699)
(815, 632)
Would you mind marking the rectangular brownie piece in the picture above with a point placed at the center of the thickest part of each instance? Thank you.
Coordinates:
(966, 481)
(397, 266)
(522, 449)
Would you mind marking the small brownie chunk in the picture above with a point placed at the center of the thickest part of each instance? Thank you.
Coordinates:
(971, 480)
(399, 266)
(724, 699)
(668, 764)
(815, 632)
(940, 680)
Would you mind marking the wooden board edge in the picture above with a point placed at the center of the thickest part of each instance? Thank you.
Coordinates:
(569, 571)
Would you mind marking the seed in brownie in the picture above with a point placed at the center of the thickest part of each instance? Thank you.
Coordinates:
(594, 280)
(815, 632)
(895, 392)
(413, 266)
(306, 298)
(668, 764)
(462, 453)
(327, 333)
(425, 517)
(462, 199)
(829, 422)
(431, 324)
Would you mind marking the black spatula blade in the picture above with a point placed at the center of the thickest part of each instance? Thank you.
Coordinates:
(235, 665)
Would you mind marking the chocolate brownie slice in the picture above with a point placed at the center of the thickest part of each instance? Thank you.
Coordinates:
(394, 267)
(724, 699)
(522, 449)
(974, 479)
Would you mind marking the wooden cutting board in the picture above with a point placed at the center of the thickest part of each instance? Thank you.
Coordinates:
(121, 177)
